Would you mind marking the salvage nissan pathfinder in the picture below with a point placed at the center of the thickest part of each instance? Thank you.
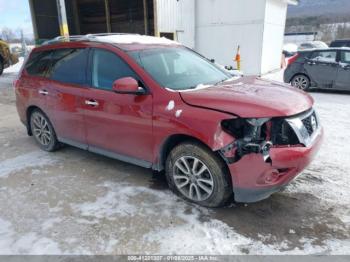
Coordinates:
(157, 104)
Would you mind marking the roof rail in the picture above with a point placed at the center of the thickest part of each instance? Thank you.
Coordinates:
(59, 39)
(87, 37)
(107, 34)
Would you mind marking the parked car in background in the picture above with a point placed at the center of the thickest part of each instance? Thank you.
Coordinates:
(157, 104)
(312, 45)
(340, 43)
(6, 57)
(320, 68)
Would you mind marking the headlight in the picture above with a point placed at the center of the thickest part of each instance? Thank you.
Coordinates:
(247, 128)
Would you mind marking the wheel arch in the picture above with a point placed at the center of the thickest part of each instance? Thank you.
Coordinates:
(171, 142)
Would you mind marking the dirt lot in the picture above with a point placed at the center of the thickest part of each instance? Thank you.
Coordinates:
(75, 202)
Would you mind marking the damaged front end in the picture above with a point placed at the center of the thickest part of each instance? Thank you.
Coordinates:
(251, 136)
(267, 153)
(261, 134)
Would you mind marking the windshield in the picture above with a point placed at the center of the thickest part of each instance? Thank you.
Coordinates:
(179, 68)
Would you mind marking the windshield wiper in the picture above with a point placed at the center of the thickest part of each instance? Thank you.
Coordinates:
(221, 81)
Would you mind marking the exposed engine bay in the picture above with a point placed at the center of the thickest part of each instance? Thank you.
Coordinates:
(256, 135)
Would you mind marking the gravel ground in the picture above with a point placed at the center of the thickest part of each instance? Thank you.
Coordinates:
(76, 202)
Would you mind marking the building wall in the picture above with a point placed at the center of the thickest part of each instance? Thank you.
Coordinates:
(222, 25)
(273, 35)
(215, 28)
(177, 17)
(298, 39)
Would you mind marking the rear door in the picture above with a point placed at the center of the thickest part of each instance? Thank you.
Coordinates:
(343, 77)
(322, 68)
(68, 78)
(33, 84)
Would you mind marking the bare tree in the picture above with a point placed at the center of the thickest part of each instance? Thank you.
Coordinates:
(8, 34)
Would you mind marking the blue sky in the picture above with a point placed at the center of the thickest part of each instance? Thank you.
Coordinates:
(16, 14)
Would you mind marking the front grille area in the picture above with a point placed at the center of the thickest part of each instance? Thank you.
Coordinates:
(282, 133)
(295, 130)
(308, 123)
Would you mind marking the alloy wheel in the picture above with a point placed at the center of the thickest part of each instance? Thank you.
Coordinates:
(193, 178)
(41, 129)
(301, 82)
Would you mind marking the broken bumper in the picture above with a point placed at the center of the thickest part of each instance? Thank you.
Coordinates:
(253, 179)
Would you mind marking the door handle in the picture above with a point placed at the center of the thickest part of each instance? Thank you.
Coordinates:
(43, 92)
(91, 102)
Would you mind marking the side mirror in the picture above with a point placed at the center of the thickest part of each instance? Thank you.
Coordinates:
(127, 85)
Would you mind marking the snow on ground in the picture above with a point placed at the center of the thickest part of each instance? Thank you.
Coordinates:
(25, 161)
(10, 74)
(75, 202)
(15, 68)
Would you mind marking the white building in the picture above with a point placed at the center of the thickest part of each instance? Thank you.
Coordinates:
(215, 28)
(212, 27)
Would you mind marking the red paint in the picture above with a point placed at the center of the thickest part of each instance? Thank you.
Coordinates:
(138, 125)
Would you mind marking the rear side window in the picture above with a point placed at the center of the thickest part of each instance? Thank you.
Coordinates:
(69, 65)
(38, 63)
(340, 44)
(345, 57)
(108, 67)
(325, 56)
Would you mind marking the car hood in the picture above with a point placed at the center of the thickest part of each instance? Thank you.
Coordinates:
(250, 97)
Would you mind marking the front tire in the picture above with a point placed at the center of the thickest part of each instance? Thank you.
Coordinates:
(198, 175)
(301, 82)
(43, 131)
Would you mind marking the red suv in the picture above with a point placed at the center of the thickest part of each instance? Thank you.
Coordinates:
(157, 104)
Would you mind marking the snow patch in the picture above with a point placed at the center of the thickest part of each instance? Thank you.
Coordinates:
(28, 243)
(171, 105)
(50, 223)
(178, 113)
(16, 67)
(32, 159)
(139, 39)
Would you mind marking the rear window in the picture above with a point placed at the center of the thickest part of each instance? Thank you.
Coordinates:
(69, 65)
(38, 63)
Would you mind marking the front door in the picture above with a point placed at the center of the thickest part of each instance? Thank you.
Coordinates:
(117, 125)
(322, 68)
(343, 77)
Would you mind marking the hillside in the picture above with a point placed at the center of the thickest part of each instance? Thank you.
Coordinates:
(307, 8)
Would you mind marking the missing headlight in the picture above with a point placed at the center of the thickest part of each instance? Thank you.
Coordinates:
(251, 137)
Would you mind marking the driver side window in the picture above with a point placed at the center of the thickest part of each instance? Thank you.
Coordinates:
(108, 67)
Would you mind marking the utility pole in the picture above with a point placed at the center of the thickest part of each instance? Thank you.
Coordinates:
(108, 17)
(24, 45)
(145, 16)
(62, 18)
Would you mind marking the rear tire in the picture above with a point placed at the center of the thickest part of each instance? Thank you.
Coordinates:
(301, 82)
(195, 173)
(43, 131)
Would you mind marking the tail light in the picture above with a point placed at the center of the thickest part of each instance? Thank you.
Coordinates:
(293, 59)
